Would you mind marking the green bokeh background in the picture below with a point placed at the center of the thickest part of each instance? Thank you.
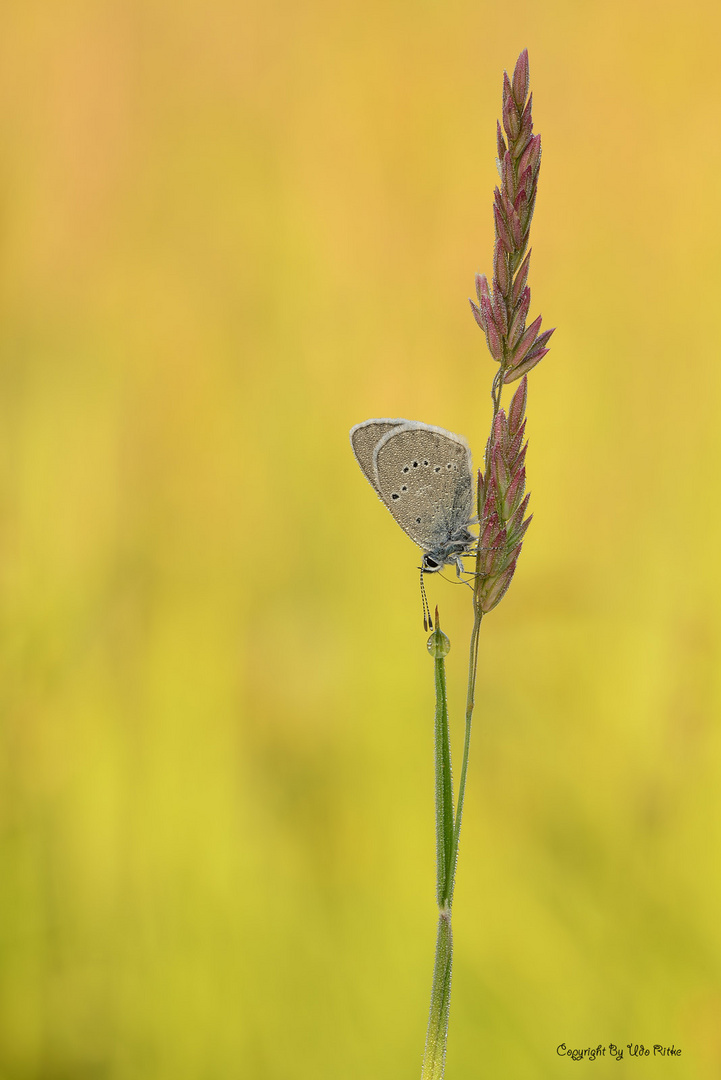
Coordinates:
(229, 232)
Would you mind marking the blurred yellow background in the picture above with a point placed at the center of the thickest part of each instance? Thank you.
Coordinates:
(229, 232)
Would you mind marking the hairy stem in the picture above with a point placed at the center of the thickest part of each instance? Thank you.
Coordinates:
(444, 788)
(448, 829)
(470, 702)
(434, 1058)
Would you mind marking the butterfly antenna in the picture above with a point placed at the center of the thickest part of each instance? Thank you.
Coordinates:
(427, 620)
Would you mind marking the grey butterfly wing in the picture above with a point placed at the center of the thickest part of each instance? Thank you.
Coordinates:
(364, 438)
(423, 475)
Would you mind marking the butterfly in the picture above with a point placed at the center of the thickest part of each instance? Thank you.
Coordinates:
(423, 475)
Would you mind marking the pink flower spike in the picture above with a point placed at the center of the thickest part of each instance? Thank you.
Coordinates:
(507, 91)
(502, 231)
(482, 287)
(494, 472)
(518, 323)
(521, 278)
(524, 527)
(515, 552)
(517, 526)
(500, 268)
(525, 367)
(508, 177)
(501, 472)
(513, 451)
(489, 506)
(521, 143)
(526, 115)
(494, 532)
(528, 155)
(499, 429)
(499, 313)
(490, 553)
(492, 336)
(486, 564)
(520, 202)
(501, 479)
(477, 314)
(499, 559)
(526, 181)
(521, 79)
(541, 342)
(520, 461)
(535, 156)
(526, 342)
(505, 204)
(498, 590)
(486, 307)
(489, 531)
(508, 173)
(511, 119)
(516, 230)
(500, 141)
(517, 408)
(525, 135)
(516, 488)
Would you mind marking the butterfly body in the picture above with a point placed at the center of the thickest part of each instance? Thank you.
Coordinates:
(423, 475)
